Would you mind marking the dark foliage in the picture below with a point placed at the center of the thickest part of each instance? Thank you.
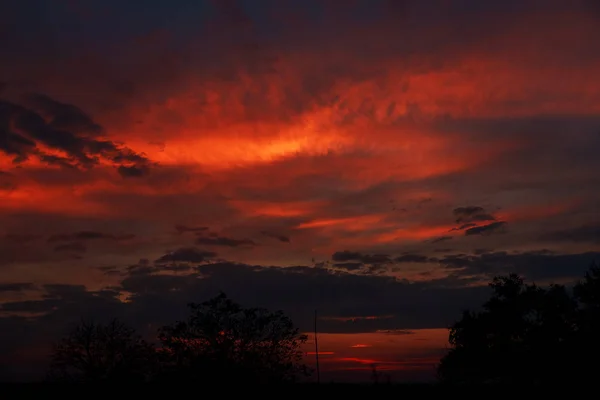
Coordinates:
(527, 334)
(219, 342)
(223, 341)
(99, 353)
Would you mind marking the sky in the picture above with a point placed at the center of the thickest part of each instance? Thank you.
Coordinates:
(378, 161)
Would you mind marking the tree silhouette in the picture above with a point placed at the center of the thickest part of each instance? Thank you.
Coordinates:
(102, 352)
(524, 334)
(221, 340)
(587, 293)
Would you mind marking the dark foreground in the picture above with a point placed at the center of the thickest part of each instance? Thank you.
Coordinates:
(113, 392)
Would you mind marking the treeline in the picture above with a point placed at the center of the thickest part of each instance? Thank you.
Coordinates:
(220, 341)
(524, 334)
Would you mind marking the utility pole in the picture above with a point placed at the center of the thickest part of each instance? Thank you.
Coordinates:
(317, 350)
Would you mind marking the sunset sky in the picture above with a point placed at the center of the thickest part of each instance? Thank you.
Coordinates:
(378, 161)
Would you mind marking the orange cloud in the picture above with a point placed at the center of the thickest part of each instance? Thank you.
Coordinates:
(351, 223)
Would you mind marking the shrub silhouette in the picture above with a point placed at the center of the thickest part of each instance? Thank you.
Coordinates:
(527, 334)
(94, 352)
(221, 340)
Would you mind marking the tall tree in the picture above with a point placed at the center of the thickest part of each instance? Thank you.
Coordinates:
(523, 334)
(221, 340)
(587, 293)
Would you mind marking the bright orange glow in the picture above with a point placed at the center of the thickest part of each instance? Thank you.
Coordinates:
(279, 209)
(353, 223)
(228, 152)
(387, 351)
(415, 233)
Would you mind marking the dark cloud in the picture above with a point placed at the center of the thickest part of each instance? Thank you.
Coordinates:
(145, 267)
(139, 269)
(133, 171)
(297, 290)
(64, 128)
(584, 234)
(467, 211)
(224, 241)
(342, 256)
(195, 229)
(16, 287)
(186, 254)
(88, 235)
(440, 239)
(494, 227)
(64, 117)
(12, 143)
(413, 258)
(175, 267)
(463, 227)
(281, 238)
(74, 247)
(471, 214)
(538, 265)
(159, 298)
(59, 290)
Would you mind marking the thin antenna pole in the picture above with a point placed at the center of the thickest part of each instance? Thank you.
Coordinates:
(317, 350)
